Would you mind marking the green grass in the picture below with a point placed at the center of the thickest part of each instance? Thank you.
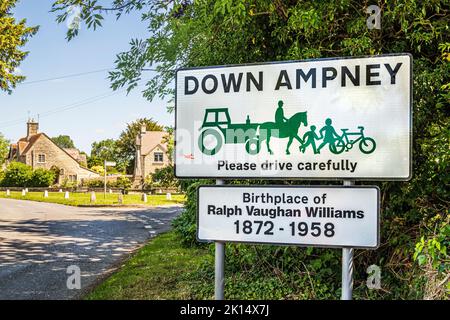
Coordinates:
(79, 199)
(159, 270)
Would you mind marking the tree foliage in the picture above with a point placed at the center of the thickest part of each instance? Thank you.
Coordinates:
(13, 36)
(206, 32)
(64, 141)
(106, 150)
(127, 140)
(4, 148)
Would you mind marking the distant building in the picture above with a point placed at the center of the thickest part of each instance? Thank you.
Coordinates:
(151, 154)
(39, 151)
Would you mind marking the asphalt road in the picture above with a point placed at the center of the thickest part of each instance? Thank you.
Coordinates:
(39, 241)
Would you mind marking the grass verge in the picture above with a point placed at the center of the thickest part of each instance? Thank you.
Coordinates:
(84, 199)
(157, 271)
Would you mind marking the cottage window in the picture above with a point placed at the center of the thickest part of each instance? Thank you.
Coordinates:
(73, 178)
(41, 158)
(61, 171)
(159, 157)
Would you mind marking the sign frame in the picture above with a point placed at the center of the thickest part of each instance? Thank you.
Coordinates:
(293, 187)
(353, 178)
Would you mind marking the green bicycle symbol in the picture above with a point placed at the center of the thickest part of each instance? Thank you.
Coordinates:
(348, 139)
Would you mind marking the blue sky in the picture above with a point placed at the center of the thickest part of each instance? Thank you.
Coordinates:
(52, 56)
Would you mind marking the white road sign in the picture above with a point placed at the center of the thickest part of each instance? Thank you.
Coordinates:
(307, 216)
(343, 118)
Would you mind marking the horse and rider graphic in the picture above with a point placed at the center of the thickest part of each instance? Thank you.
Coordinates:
(217, 128)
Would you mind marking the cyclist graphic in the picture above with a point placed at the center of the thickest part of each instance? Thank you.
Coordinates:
(329, 136)
(309, 138)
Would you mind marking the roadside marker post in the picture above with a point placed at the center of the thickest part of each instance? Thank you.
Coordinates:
(93, 197)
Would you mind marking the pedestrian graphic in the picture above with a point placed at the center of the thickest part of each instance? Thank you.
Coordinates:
(218, 129)
(309, 139)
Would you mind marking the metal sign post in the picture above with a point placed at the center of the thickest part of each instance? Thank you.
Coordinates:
(107, 164)
(347, 265)
(104, 181)
(219, 264)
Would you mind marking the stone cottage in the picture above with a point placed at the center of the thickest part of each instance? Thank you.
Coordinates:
(39, 151)
(151, 154)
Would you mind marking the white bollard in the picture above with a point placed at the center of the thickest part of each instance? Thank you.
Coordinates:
(46, 194)
(168, 196)
(8, 193)
(144, 197)
(66, 195)
(110, 191)
(60, 190)
(120, 198)
(93, 197)
(24, 193)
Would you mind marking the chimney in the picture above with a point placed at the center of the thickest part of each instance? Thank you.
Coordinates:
(143, 129)
(32, 128)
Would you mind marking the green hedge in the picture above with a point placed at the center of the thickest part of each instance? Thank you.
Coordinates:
(21, 175)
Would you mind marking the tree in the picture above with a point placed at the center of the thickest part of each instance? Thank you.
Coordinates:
(127, 140)
(13, 35)
(206, 32)
(4, 148)
(106, 150)
(64, 141)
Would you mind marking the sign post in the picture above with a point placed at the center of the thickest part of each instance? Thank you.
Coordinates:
(107, 164)
(219, 265)
(334, 119)
(347, 265)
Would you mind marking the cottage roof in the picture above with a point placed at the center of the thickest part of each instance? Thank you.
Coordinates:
(151, 139)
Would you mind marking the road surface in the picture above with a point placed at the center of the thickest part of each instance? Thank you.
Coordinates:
(39, 241)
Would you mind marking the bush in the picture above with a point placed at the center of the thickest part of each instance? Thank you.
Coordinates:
(164, 177)
(42, 178)
(17, 174)
(120, 183)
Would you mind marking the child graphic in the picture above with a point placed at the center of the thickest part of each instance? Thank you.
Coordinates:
(309, 138)
(329, 136)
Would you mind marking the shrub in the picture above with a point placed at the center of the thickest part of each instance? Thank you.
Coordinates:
(17, 174)
(120, 183)
(164, 177)
(42, 178)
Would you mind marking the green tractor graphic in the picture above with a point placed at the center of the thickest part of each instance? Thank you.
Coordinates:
(218, 129)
